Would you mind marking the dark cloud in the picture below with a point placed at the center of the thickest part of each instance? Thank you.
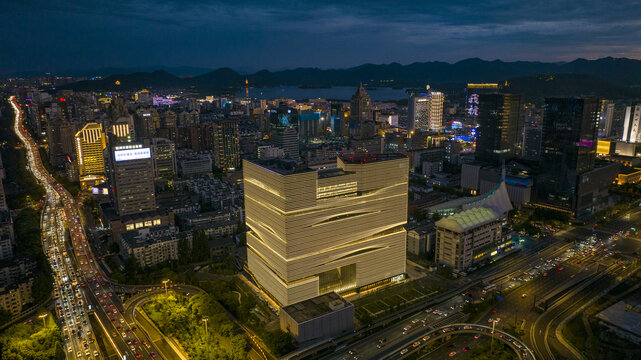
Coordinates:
(60, 35)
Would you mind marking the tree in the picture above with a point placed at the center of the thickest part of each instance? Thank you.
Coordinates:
(113, 247)
(184, 252)
(131, 268)
(200, 246)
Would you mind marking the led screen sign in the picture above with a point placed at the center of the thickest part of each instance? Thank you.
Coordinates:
(132, 154)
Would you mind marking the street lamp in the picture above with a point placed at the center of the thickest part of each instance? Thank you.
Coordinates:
(43, 316)
(165, 282)
(494, 321)
(205, 319)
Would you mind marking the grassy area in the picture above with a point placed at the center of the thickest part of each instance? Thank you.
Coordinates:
(392, 298)
(575, 333)
(251, 311)
(496, 351)
(32, 341)
(182, 318)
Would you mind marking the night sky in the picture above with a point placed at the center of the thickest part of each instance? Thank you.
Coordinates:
(251, 35)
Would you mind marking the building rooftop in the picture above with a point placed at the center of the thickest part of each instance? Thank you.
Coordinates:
(498, 199)
(362, 158)
(316, 307)
(282, 166)
(468, 219)
(327, 173)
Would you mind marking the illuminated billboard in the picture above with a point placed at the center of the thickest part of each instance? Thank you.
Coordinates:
(132, 154)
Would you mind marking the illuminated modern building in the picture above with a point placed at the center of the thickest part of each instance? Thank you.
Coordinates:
(226, 153)
(568, 151)
(131, 175)
(426, 111)
(607, 118)
(90, 144)
(499, 119)
(163, 153)
(532, 143)
(468, 237)
(632, 124)
(317, 231)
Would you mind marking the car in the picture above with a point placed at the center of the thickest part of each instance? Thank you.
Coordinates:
(404, 351)
(523, 296)
(467, 348)
(153, 354)
(477, 336)
(417, 343)
(138, 356)
(452, 353)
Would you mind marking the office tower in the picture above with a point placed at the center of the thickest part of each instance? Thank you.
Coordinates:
(607, 117)
(226, 152)
(123, 129)
(90, 143)
(286, 138)
(631, 124)
(426, 111)
(498, 136)
(143, 97)
(163, 154)
(568, 150)
(532, 143)
(317, 231)
(146, 121)
(472, 92)
(60, 138)
(131, 175)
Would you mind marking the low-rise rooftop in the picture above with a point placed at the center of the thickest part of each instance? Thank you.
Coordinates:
(316, 307)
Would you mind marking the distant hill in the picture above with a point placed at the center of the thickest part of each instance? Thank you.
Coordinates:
(612, 76)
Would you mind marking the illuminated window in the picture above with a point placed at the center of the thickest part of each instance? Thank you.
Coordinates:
(148, 223)
(130, 227)
(156, 222)
(139, 225)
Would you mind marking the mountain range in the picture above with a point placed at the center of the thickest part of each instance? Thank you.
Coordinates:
(618, 77)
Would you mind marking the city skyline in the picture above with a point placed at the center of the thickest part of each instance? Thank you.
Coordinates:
(330, 34)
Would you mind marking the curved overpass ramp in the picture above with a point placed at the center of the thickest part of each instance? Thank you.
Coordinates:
(522, 351)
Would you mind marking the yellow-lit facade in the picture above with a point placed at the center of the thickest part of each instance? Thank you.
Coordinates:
(90, 143)
(313, 232)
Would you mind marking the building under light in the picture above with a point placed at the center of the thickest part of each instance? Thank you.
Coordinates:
(317, 231)
(90, 143)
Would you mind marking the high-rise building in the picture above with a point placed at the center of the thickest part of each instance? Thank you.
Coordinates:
(568, 150)
(131, 175)
(499, 116)
(226, 152)
(632, 124)
(90, 144)
(607, 118)
(286, 138)
(123, 130)
(361, 106)
(532, 143)
(317, 231)
(163, 153)
(426, 111)
(60, 138)
(472, 92)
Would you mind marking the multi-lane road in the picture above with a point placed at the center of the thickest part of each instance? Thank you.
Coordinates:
(80, 288)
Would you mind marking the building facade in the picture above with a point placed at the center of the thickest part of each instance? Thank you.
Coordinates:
(131, 175)
(568, 150)
(425, 111)
(499, 119)
(468, 237)
(90, 144)
(313, 232)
